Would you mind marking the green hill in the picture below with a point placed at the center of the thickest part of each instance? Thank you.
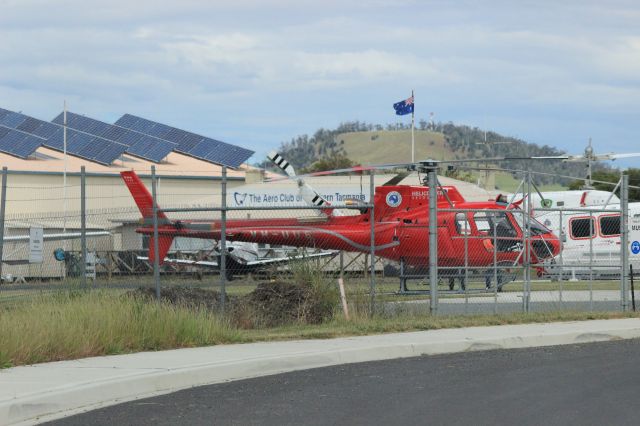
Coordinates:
(385, 146)
(362, 143)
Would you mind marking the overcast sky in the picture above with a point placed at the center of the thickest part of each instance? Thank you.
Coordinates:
(256, 73)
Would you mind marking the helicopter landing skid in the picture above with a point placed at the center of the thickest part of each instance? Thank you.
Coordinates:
(505, 276)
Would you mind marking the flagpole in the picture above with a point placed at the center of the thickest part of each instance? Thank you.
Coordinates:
(412, 126)
(64, 185)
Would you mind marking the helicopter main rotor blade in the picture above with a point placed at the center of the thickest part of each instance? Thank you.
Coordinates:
(409, 165)
(354, 169)
(599, 157)
(475, 160)
(613, 156)
(396, 179)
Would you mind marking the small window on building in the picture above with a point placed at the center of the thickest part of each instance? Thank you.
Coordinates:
(580, 228)
(610, 226)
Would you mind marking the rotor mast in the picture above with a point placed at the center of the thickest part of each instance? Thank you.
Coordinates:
(588, 155)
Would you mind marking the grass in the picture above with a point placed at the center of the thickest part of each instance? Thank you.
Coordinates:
(404, 322)
(393, 146)
(68, 325)
(386, 287)
(74, 324)
(384, 146)
(507, 183)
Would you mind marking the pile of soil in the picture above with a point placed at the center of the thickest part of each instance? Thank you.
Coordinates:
(270, 304)
(280, 302)
(182, 296)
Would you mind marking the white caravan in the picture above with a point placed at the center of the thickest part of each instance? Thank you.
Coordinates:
(591, 245)
(589, 228)
(575, 198)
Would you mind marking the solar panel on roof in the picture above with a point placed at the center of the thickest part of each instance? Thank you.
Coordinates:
(79, 144)
(115, 133)
(159, 130)
(12, 120)
(189, 141)
(27, 146)
(76, 142)
(127, 121)
(18, 143)
(110, 152)
(201, 147)
(3, 112)
(154, 149)
(29, 125)
(46, 130)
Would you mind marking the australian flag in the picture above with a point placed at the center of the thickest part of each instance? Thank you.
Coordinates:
(404, 107)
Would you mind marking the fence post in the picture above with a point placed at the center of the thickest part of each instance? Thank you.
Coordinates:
(527, 247)
(156, 260)
(467, 231)
(3, 203)
(560, 279)
(633, 291)
(372, 249)
(433, 238)
(223, 241)
(624, 241)
(83, 227)
(592, 232)
(495, 263)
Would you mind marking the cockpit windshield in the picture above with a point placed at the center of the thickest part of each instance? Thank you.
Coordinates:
(536, 227)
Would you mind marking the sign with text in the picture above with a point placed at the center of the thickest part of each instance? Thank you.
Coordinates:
(36, 244)
(260, 197)
(634, 235)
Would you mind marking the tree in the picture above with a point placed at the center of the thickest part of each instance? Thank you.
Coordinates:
(329, 163)
(612, 176)
(634, 180)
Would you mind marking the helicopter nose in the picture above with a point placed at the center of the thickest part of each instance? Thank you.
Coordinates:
(545, 247)
(554, 242)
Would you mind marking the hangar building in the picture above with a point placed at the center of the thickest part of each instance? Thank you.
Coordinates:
(188, 167)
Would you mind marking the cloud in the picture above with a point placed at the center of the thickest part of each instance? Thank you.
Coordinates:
(206, 64)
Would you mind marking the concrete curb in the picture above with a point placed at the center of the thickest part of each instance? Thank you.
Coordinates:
(43, 392)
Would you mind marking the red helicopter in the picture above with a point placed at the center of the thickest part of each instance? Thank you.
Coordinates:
(490, 230)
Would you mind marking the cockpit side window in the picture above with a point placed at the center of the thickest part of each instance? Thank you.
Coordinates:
(484, 222)
(535, 227)
(487, 222)
(462, 224)
(497, 226)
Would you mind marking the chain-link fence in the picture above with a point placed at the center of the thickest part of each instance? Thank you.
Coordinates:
(389, 247)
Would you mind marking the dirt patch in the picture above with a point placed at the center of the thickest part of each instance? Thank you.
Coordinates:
(270, 304)
(280, 302)
(180, 296)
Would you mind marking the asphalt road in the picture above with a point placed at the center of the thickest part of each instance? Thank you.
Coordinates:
(591, 384)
